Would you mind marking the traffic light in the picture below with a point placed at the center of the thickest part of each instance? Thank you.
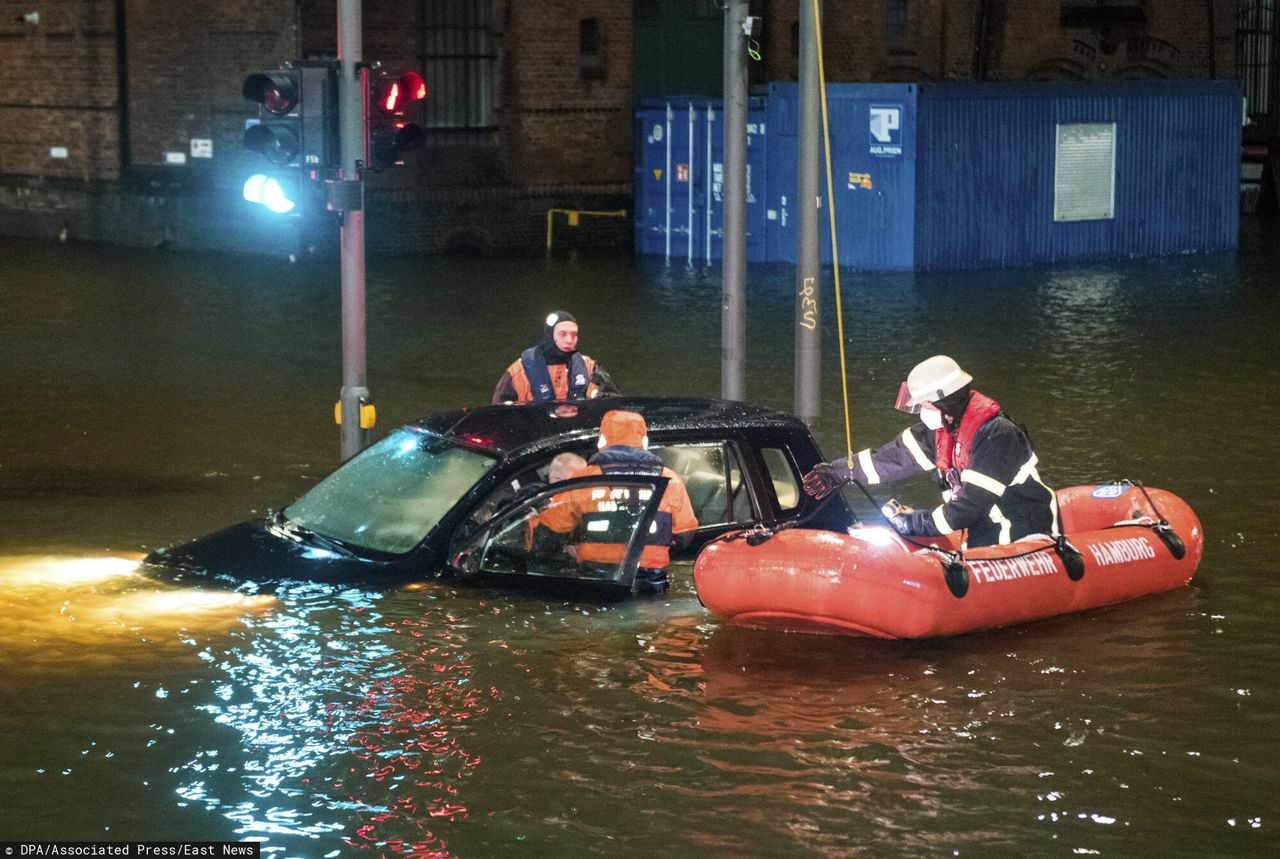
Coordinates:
(278, 132)
(296, 132)
(280, 193)
(390, 133)
(297, 116)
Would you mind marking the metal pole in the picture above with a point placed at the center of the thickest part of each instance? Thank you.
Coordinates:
(733, 303)
(351, 97)
(808, 378)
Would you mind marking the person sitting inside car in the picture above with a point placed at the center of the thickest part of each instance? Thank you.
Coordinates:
(553, 368)
(624, 451)
(561, 467)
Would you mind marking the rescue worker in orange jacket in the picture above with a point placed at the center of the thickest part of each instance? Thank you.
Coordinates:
(553, 369)
(980, 458)
(623, 450)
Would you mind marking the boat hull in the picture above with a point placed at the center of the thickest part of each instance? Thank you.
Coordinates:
(870, 582)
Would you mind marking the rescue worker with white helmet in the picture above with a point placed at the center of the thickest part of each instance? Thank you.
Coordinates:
(980, 458)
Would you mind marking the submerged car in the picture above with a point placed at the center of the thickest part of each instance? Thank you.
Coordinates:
(461, 494)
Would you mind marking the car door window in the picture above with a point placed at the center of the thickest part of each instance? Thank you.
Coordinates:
(783, 476)
(712, 475)
(588, 529)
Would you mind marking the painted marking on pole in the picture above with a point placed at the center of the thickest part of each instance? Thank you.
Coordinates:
(809, 305)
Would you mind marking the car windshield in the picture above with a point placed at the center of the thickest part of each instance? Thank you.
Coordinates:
(390, 496)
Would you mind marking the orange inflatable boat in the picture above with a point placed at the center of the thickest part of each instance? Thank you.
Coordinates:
(1122, 541)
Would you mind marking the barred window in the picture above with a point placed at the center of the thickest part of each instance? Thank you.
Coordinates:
(1255, 42)
(459, 57)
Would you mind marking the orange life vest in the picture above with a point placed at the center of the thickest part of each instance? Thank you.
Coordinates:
(535, 380)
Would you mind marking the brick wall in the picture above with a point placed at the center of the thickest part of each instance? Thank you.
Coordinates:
(569, 128)
(186, 63)
(58, 105)
(63, 87)
(1182, 38)
(563, 139)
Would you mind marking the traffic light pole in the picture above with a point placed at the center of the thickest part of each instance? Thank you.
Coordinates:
(355, 405)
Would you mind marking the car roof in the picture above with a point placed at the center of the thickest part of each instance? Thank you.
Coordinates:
(510, 429)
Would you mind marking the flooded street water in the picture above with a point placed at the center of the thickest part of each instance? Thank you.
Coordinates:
(151, 397)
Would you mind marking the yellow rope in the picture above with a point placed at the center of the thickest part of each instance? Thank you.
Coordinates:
(831, 217)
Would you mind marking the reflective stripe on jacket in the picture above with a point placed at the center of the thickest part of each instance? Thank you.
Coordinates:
(601, 529)
(987, 472)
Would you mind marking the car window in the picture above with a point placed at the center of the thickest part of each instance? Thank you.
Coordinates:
(712, 475)
(390, 496)
(783, 476)
(526, 483)
(582, 532)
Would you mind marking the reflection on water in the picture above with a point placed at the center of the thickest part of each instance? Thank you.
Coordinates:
(350, 723)
(55, 603)
(436, 720)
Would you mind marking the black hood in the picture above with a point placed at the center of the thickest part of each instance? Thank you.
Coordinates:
(550, 350)
(953, 406)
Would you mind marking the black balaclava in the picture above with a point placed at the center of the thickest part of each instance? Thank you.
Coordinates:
(952, 407)
(549, 348)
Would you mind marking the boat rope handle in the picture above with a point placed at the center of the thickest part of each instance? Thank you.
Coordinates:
(1160, 528)
(831, 218)
(1152, 504)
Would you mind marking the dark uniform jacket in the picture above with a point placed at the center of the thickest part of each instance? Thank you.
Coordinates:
(989, 482)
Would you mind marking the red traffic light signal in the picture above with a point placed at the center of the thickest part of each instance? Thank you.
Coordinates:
(395, 95)
(390, 135)
(277, 92)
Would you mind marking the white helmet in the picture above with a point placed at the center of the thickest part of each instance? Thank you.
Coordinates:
(929, 381)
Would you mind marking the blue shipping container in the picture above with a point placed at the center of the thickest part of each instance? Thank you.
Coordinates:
(679, 179)
(963, 175)
(873, 156)
(992, 159)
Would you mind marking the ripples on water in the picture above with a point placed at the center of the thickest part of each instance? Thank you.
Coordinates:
(438, 721)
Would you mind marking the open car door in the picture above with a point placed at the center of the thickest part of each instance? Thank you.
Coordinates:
(588, 529)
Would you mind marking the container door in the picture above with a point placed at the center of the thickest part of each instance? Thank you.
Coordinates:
(757, 174)
(669, 176)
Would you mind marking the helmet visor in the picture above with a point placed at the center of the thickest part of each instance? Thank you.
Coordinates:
(905, 403)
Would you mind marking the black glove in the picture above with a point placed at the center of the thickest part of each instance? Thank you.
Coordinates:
(823, 479)
(899, 516)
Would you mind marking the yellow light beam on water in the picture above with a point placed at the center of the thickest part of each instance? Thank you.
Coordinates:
(77, 600)
(55, 570)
